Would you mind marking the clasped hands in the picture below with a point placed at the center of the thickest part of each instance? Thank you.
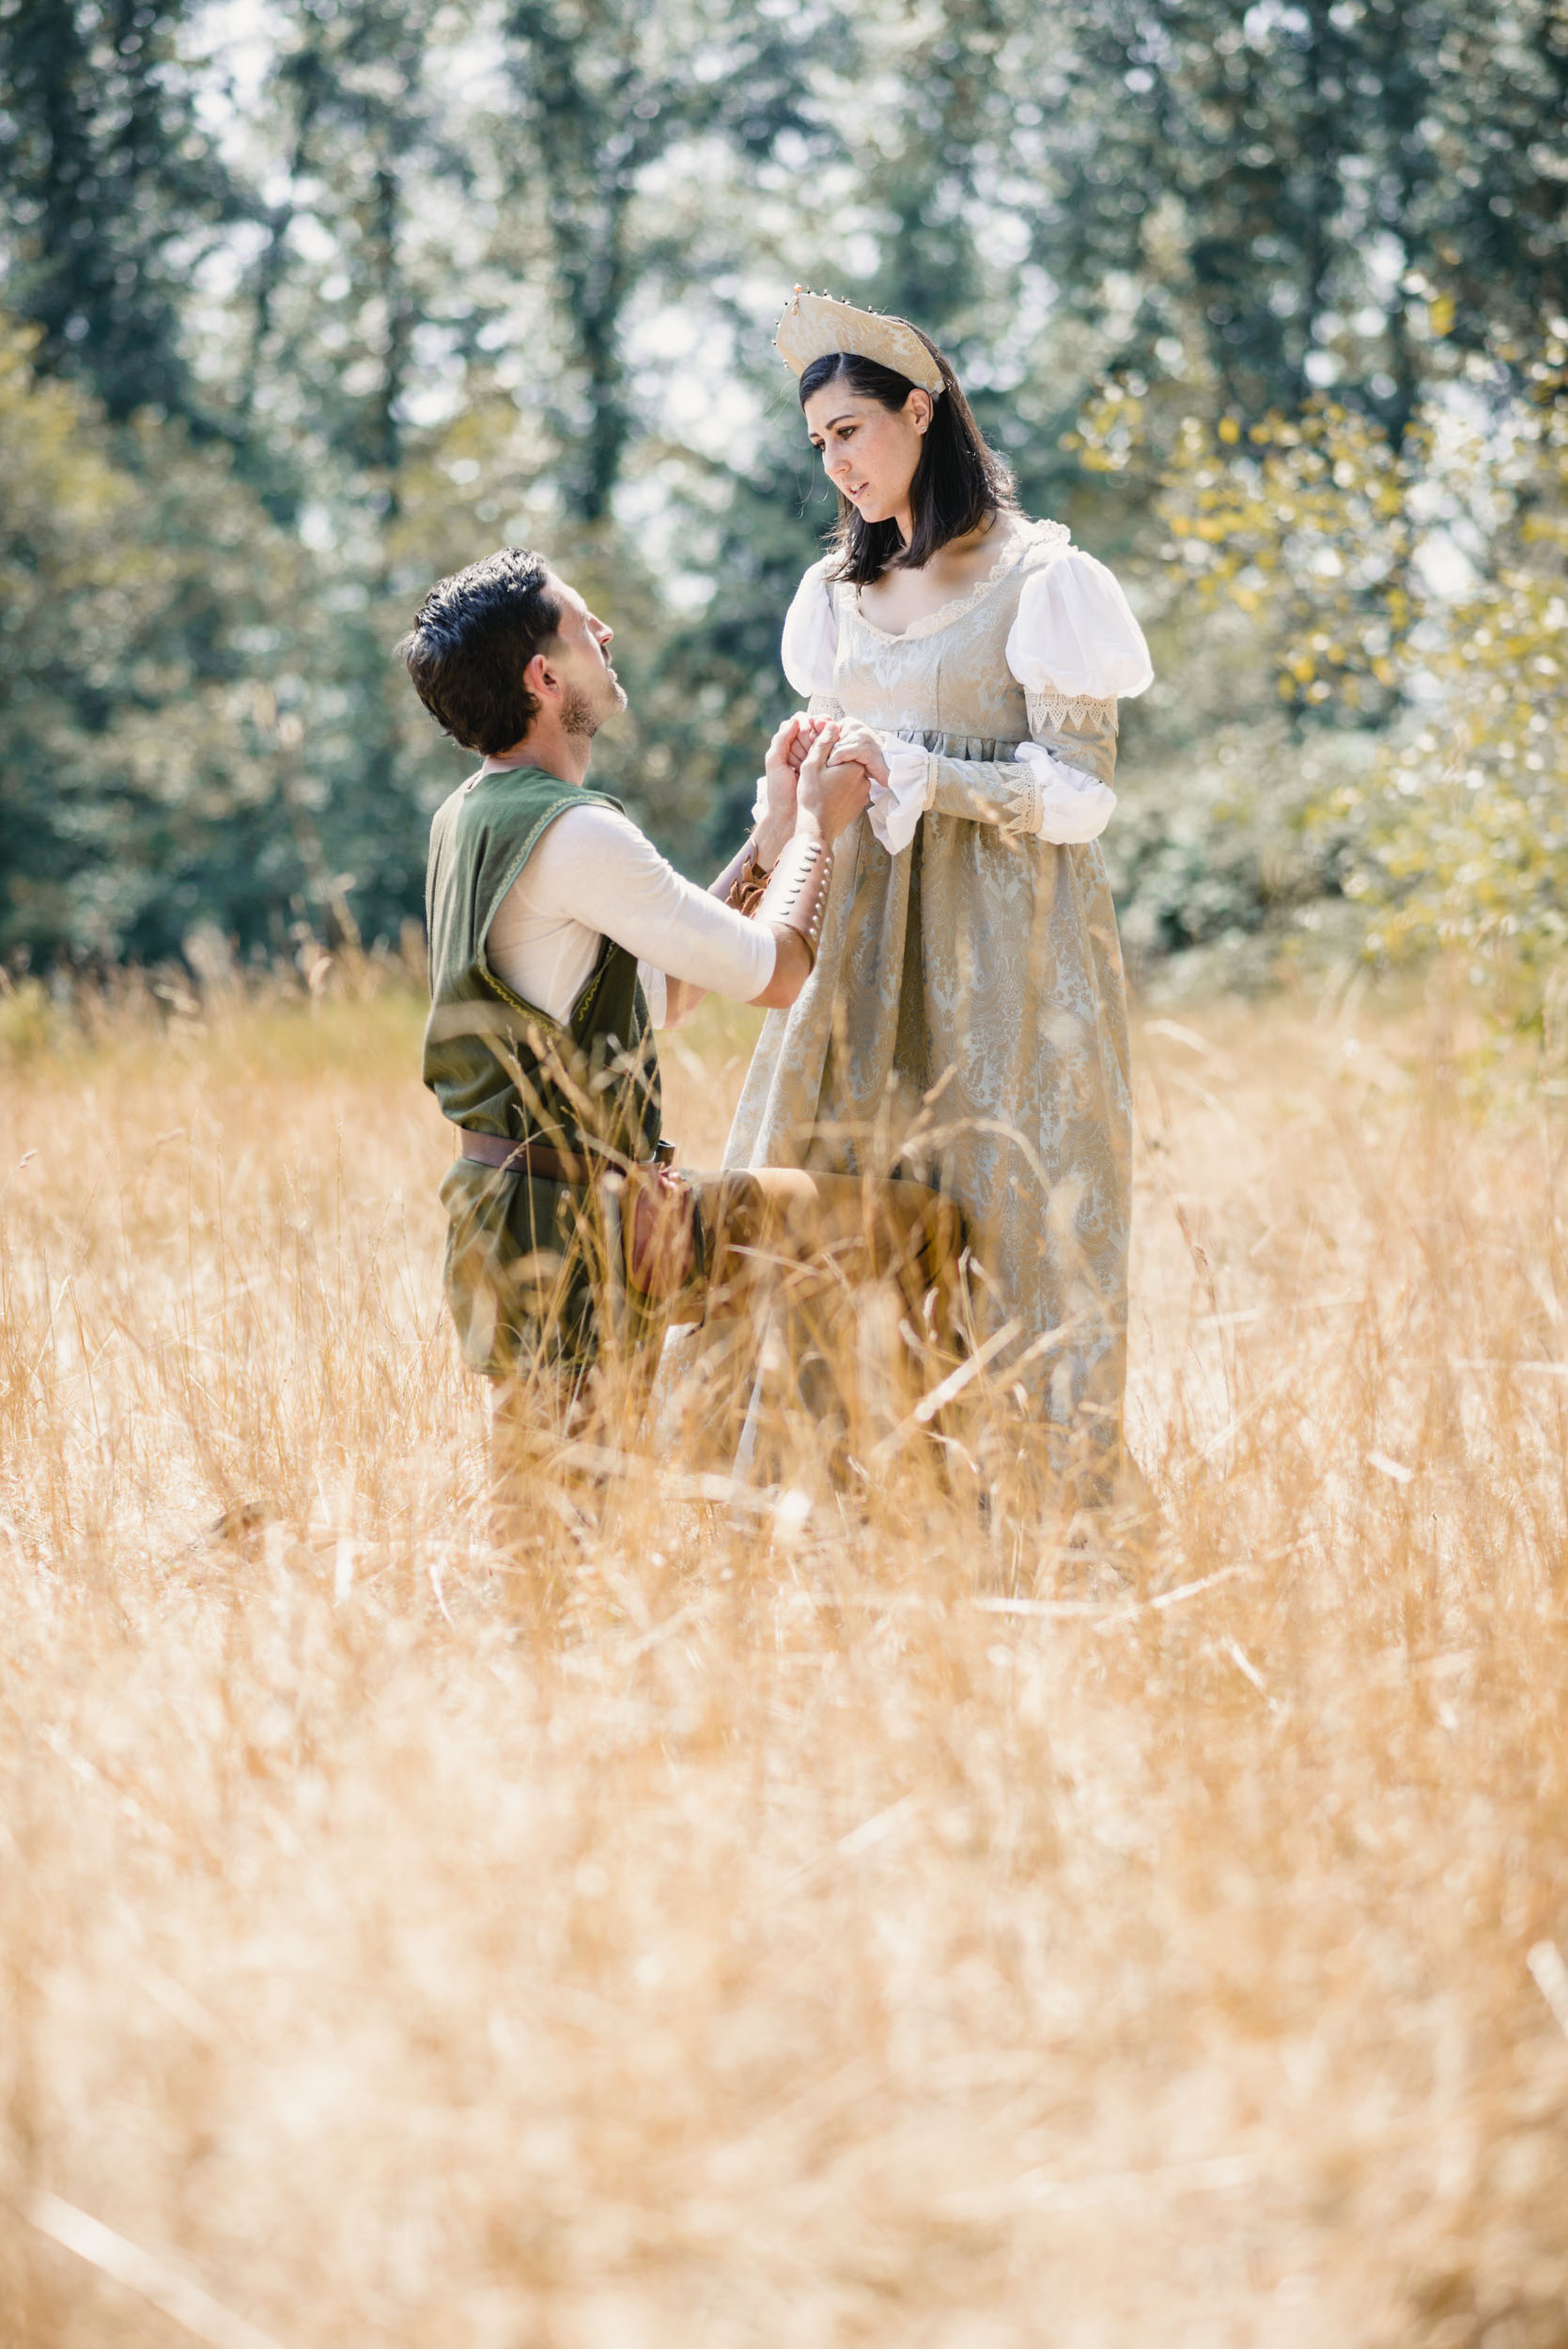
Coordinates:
(809, 751)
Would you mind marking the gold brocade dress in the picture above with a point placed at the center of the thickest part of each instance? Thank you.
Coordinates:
(966, 1016)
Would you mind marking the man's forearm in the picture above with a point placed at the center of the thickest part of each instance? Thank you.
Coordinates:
(750, 884)
(740, 885)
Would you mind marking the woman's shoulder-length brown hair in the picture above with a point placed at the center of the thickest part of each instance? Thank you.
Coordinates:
(958, 483)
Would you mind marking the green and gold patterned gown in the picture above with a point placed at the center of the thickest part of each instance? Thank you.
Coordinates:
(968, 1012)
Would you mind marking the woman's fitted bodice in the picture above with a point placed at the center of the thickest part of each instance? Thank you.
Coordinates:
(947, 675)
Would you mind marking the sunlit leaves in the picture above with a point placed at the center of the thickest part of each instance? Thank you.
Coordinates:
(1302, 525)
(1349, 556)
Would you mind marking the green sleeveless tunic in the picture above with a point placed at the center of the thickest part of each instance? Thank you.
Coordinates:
(522, 1252)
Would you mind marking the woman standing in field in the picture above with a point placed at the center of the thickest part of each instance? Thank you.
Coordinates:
(966, 1013)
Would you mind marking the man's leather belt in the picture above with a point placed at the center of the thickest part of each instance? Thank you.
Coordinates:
(551, 1166)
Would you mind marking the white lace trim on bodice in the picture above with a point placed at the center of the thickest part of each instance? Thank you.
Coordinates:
(1035, 537)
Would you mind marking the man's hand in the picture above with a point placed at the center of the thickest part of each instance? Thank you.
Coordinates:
(658, 1225)
(782, 774)
(859, 746)
(832, 790)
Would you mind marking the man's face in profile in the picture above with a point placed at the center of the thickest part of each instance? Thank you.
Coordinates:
(580, 657)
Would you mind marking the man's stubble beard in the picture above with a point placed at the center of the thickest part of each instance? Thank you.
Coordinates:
(580, 717)
(576, 715)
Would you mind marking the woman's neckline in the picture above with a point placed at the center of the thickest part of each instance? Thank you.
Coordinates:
(955, 606)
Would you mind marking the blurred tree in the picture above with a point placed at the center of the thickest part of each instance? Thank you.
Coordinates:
(355, 262)
(933, 166)
(608, 91)
(114, 189)
(1460, 831)
(139, 759)
(1308, 525)
(354, 268)
(1322, 192)
(1328, 537)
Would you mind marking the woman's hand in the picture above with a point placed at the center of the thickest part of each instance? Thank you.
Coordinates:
(781, 777)
(834, 788)
(859, 746)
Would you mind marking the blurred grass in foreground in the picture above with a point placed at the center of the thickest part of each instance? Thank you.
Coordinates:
(749, 1915)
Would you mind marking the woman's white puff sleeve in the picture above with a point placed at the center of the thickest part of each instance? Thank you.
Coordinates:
(1074, 638)
(807, 654)
(811, 636)
(1074, 642)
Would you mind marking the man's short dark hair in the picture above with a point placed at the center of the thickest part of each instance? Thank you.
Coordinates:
(472, 637)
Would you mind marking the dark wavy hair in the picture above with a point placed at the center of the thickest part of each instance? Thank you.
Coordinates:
(471, 639)
(958, 482)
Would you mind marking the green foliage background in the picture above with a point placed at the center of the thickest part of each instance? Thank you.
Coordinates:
(305, 305)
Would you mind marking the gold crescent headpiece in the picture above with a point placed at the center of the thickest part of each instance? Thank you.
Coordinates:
(814, 324)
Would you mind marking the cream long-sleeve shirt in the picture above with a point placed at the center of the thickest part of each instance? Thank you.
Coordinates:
(593, 875)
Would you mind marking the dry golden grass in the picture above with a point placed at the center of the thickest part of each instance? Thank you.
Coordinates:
(881, 1927)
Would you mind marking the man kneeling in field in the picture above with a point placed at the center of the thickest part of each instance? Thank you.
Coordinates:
(559, 939)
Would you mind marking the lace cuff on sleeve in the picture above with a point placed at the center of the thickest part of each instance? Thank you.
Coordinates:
(898, 805)
(1066, 806)
(1032, 795)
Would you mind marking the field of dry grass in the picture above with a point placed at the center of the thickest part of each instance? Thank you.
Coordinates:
(747, 1918)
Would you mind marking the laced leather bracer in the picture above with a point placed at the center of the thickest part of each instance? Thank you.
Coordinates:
(797, 891)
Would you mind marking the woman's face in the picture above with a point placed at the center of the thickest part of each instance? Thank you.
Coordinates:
(869, 452)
